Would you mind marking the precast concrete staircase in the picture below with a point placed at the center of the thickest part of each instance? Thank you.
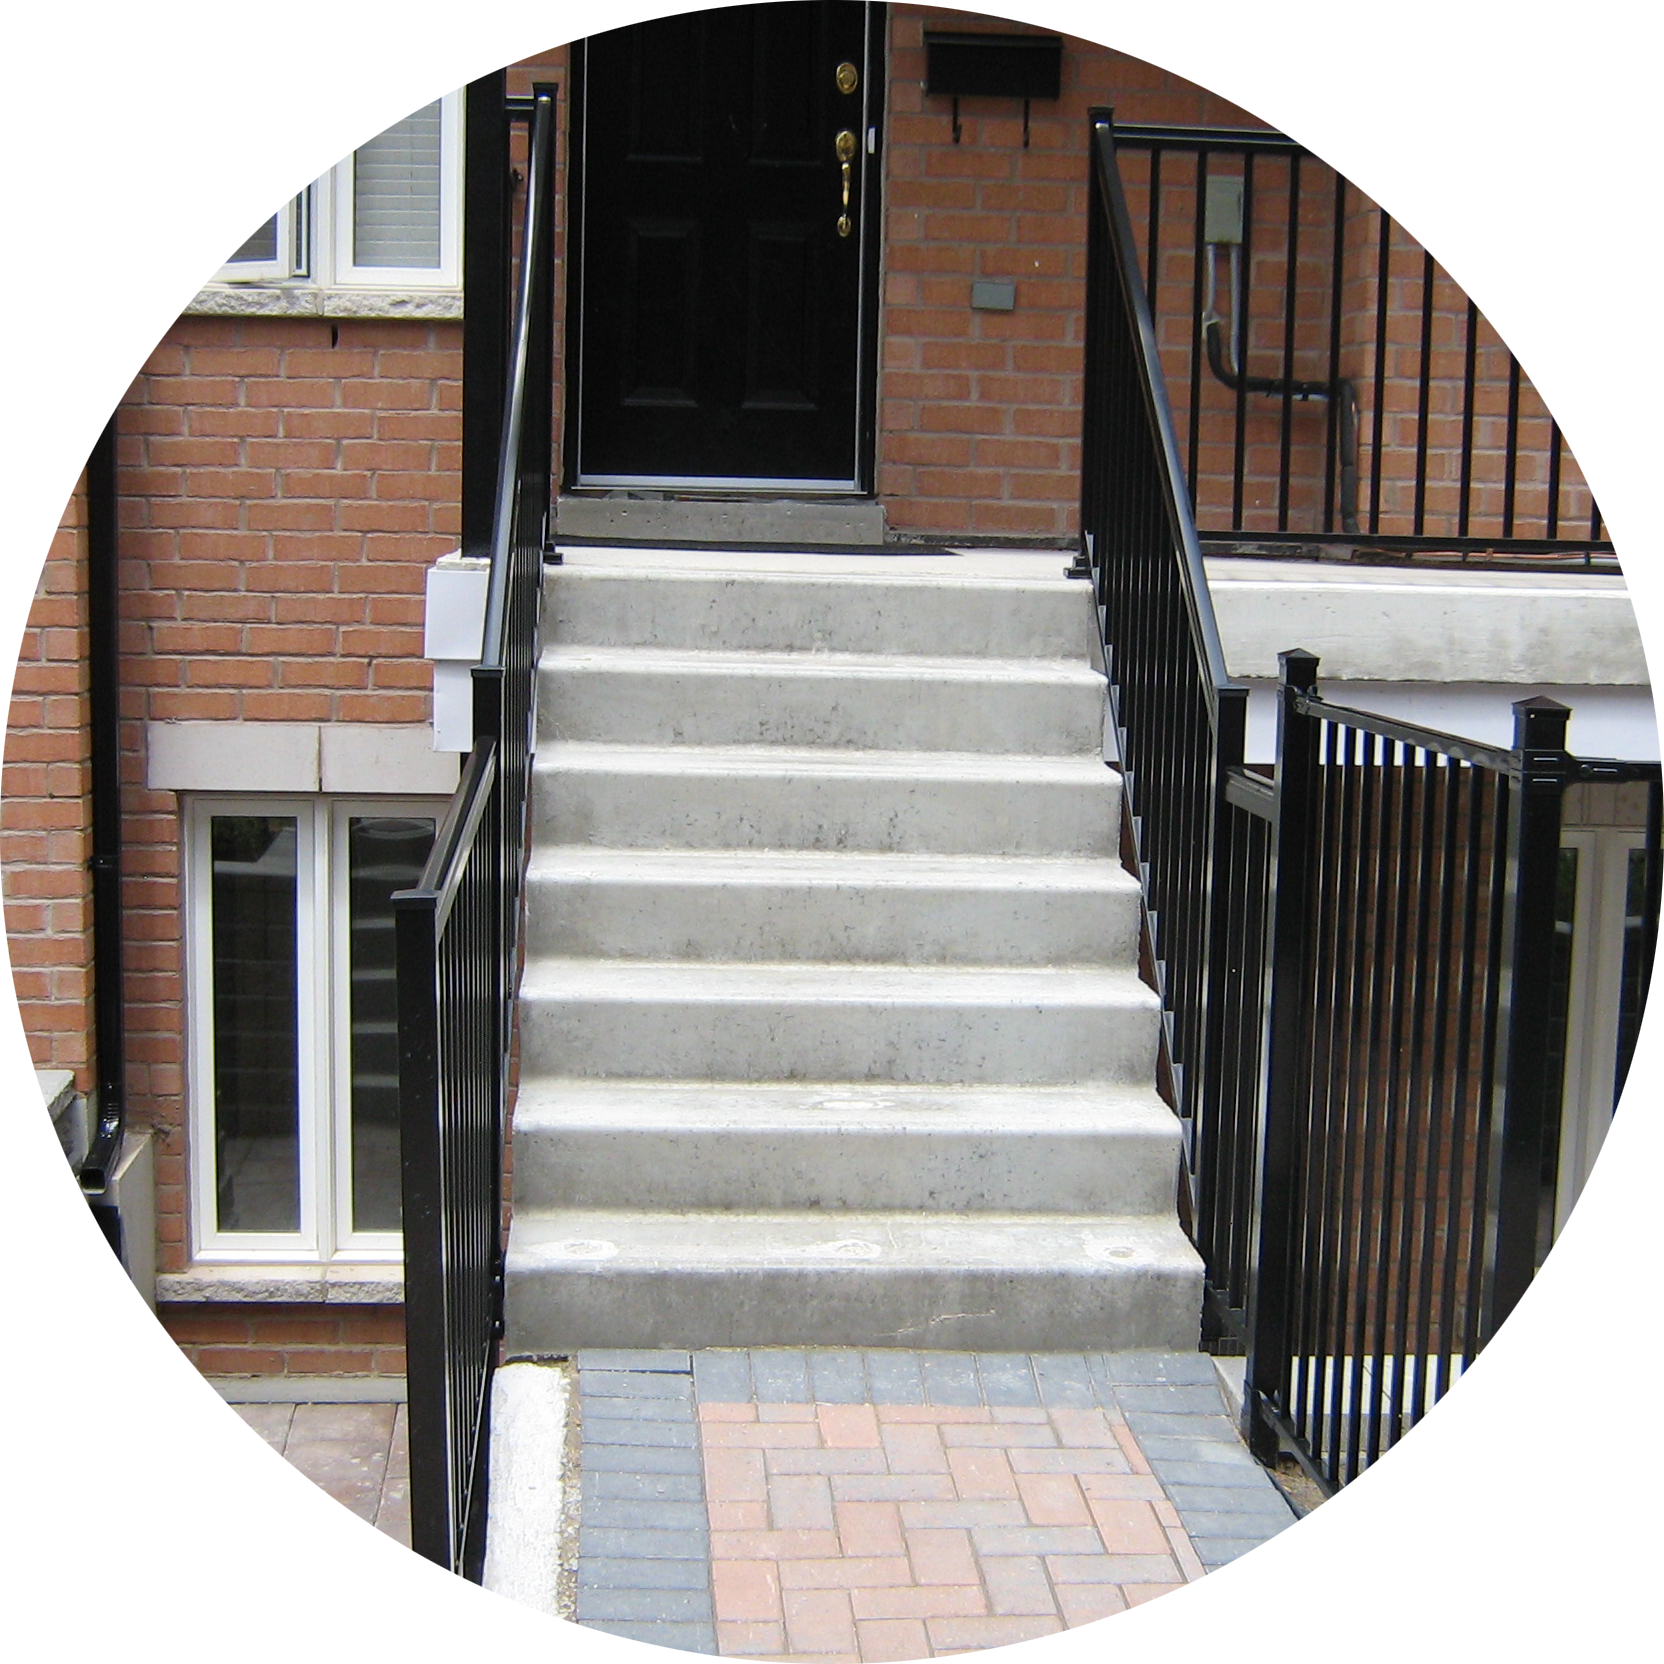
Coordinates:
(831, 1027)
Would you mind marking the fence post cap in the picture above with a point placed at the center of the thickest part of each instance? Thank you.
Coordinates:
(1298, 669)
(1540, 724)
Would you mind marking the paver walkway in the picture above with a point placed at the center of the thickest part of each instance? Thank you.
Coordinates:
(899, 1505)
(248, 1535)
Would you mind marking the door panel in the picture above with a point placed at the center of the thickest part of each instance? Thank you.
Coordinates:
(720, 314)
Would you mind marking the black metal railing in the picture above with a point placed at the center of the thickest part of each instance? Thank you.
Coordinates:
(459, 929)
(1351, 955)
(1336, 384)
(1178, 718)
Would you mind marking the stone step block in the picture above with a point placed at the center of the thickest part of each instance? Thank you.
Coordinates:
(636, 1019)
(666, 1145)
(948, 608)
(829, 905)
(770, 797)
(982, 1282)
(661, 696)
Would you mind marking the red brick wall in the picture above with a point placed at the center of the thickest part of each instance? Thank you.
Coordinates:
(285, 486)
(979, 423)
(289, 1340)
(45, 975)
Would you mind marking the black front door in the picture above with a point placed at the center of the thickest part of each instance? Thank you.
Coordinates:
(722, 321)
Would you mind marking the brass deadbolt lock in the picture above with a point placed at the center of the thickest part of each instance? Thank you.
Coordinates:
(848, 79)
(845, 142)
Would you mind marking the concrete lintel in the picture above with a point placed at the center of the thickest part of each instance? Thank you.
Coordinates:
(362, 757)
(231, 756)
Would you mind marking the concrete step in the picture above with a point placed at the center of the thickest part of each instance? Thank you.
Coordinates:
(787, 1022)
(659, 696)
(981, 1282)
(673, 1145)
(829, 905)
(777, 797)
(887, 606)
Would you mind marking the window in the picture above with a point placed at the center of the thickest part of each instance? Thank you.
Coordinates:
(1586, 1155)
(326, 142)
(294, 1059)
(1609, 94)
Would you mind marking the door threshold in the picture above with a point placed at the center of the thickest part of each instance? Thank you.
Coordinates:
(714, 520)
(704, 487)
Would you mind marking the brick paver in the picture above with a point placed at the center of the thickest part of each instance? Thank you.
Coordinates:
(877, 1506)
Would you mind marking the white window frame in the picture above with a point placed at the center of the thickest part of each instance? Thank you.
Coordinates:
(1634, 122)
(323, 1029)
(1593, 1002)
(316, 133)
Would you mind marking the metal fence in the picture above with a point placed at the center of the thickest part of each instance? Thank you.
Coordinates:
(1352, 956)
(459, 929)
(1335, 383)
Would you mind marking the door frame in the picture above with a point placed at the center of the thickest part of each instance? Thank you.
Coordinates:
(868, 303)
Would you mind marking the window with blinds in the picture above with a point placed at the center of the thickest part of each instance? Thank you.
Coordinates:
(328, 142)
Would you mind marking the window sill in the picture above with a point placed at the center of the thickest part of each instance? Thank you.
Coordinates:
(312, 300)
(362, 1284)
(1584, 331)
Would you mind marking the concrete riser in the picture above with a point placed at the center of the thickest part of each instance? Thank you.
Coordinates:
(864, 924)
(993, 1310)
(924, 712)
(756, 1040)
(807, 615)
(772, 1169)
(641, 810)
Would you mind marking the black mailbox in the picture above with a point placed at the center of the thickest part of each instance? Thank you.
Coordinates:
(992, 66)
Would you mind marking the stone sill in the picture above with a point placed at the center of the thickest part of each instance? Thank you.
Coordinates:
(311, 300)
(286, 1285)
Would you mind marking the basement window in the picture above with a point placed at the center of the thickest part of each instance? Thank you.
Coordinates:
(292, 1018)
(325, 142)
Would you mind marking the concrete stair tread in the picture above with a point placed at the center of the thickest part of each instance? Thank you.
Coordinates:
(681, 661)
(820, 1241)
(833, 983)
(565, 863)
(924, 767)
(906, 1108)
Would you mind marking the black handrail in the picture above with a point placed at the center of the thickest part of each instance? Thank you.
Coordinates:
(1351, 957)
(459, 928)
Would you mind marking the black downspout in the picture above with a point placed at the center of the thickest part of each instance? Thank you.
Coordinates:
(130, 1365)
(104, 718)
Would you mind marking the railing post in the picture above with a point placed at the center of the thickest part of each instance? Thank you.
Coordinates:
(426, 1298)
(1525, 1100)
(488, 194)
(1271, 1271)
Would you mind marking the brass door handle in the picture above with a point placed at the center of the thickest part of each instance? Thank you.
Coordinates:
(845, 147)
